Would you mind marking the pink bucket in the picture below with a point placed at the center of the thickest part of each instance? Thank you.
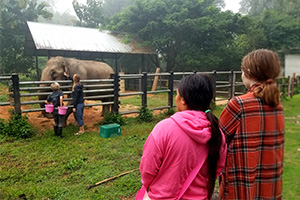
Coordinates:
(49, 108)
(62, 110)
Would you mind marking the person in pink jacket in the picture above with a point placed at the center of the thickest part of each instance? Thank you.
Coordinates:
(177, 144)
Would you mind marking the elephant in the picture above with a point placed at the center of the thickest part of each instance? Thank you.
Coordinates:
(87, 69)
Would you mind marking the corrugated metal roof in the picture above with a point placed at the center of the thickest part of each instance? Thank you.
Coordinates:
(71, 38)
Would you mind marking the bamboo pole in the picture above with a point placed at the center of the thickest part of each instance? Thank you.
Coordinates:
(108, 179)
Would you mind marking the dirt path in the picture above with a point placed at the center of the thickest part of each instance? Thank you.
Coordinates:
(91, 116)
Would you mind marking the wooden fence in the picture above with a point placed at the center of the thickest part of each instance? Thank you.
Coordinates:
(227, 85)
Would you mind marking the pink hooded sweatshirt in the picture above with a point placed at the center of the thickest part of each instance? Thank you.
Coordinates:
(171, 152)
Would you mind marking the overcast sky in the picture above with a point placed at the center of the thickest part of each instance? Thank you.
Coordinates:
(66, 5)
(233, 5)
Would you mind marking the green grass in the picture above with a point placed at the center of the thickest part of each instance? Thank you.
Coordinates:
(153, 101)
(4, 97)
(291, 168)
(46, 167)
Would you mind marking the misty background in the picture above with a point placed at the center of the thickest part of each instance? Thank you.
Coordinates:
(188, 35)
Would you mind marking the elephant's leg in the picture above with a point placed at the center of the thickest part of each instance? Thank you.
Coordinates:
(105, 109)
(69, 111)
(48, 115)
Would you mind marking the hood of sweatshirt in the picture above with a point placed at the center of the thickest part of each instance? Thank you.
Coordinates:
(195, 124)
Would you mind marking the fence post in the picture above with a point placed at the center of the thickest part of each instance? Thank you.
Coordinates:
(171, 90)
(231, 82)
(289, 87)
(215, 85)
(293, 84)
(283, 85)
(144, 89)
(116, 78)
(16, 92)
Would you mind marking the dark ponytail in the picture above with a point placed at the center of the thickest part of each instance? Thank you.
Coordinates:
(213, 154)
(197, 91)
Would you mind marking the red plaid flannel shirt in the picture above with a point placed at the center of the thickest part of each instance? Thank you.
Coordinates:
(255, 136)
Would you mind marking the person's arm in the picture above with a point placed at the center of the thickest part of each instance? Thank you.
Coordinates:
(223, 155)
(76, 96)
(61, 97)
(48, 99)
(230, 119)
(68, 76)
(150, 162)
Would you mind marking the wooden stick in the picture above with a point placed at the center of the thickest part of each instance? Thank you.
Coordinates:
(111, 178)
(155, 79)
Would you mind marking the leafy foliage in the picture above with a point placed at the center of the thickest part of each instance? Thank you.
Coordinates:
(280, 31)
(91, 14)
(192, 34)
(169, 112)
(112, 117)
(14, 14)
(111, 7)
(146, 115)
(75, 164)
(17, 127)
(255, 8)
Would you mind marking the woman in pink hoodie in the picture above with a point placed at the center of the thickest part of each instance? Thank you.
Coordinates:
(177, 144)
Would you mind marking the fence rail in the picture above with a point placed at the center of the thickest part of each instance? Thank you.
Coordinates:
(227, 84)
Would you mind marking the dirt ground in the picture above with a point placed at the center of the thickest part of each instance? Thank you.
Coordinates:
(91, 116)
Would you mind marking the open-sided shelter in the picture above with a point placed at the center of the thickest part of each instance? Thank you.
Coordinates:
(50, 40)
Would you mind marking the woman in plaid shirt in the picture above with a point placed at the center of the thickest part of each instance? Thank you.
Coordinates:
(253, 125)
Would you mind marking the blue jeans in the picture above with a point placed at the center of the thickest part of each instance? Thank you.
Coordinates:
(79, 114)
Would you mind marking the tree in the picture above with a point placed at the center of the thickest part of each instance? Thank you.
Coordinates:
(111, 7)
(91, 14)
(281, 31)
(288, 7)
(64, 18)
(14, 14)
(187, 33)
(255, 7)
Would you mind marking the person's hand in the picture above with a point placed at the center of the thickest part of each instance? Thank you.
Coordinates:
(74, 109)
(67, 75)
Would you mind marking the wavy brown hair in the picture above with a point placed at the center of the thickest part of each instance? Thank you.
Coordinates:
(76, 79)
(263, 66)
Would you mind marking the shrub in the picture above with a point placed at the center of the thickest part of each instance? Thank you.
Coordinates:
(146, 114)
(16, 127)
(112, 117)
(75, 164)
(169, 112)
(4, 127)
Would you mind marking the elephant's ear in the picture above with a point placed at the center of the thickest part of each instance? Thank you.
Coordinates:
(65, 65)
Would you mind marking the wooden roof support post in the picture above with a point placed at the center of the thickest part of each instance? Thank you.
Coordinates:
(116, 64)
(37, 68)
(141, 70)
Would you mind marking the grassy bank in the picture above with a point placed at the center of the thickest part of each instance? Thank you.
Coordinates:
(46, 167)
